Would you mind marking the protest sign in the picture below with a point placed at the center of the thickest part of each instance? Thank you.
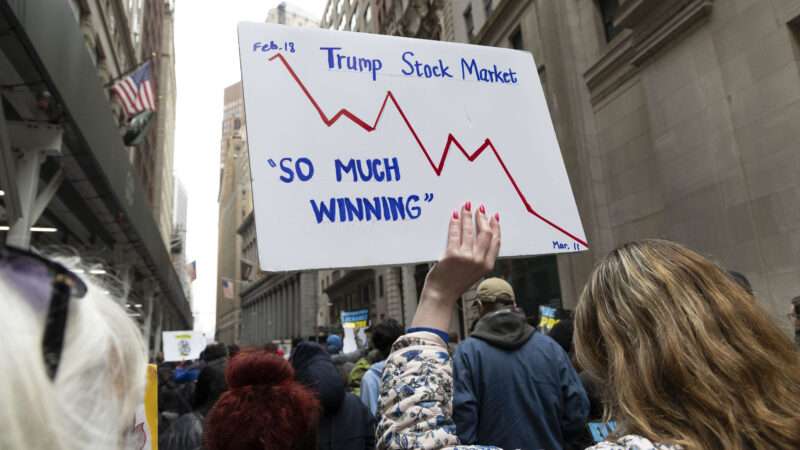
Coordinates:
(182, 345)
(601, 430)
(353, 322)
(145, 427)
(548, 318)
(361, 146)
(349, 343)
(355, 319)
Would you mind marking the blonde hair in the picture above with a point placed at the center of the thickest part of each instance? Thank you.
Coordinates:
(685, 355)
(100, 380)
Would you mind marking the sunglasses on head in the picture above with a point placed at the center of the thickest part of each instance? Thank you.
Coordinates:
(47, 286)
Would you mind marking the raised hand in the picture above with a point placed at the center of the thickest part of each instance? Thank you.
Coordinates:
(473, 242)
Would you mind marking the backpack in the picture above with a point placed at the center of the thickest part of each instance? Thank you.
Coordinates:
(354, 379)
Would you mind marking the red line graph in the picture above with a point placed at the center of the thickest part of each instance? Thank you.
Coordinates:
(451, 140)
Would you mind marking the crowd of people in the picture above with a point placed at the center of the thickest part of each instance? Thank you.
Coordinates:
(666, 350)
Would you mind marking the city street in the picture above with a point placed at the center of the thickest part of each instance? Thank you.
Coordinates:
(400, 224)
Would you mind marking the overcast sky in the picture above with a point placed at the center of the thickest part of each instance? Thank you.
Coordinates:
(207, 61)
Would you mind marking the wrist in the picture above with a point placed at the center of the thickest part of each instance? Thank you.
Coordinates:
(431, 293)
(435, 309)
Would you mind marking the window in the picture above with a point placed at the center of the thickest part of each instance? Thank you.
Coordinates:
(237, 123)
(487, 8)
(380, 286)
(608, 12)
(468, 21)
(516, 40)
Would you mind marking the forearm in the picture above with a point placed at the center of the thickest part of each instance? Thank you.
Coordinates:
(434, 310)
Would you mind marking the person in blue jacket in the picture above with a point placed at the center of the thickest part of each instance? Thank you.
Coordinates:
(383, 336)
(514, 387)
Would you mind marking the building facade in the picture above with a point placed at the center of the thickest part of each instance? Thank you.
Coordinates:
(420, 19)
(677, 119)
(178, 242)
(235, 203)
(121, 35)
(83, 193)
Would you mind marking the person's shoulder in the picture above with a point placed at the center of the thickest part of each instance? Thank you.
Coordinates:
(375, 370)
(471, 343)
(546, 344)
(354, 411)
(633, 442)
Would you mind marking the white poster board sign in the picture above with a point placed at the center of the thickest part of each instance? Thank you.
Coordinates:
(182, 345)
(362, 145)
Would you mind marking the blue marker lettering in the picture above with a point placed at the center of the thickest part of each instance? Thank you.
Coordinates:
(289, 177)
(322, 210)
(414, 210)
(330, 54)
(340, 61)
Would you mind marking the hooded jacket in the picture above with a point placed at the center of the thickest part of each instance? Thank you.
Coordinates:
(515, 387)
(345, 423)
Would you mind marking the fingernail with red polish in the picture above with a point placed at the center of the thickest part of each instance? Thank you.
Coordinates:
(482, 209)
(468, 206)
(497, 217)
(455, 214)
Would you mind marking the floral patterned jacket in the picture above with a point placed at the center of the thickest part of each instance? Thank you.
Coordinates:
(416, 401)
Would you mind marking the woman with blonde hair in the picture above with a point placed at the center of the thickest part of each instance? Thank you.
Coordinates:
(686, 356)
(72, 361)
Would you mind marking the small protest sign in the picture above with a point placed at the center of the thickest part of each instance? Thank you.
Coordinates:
(355, 319)
(548, 318)
(601, 430)
(353, 322)
(182, 345)
(361, 145)
(144, 435)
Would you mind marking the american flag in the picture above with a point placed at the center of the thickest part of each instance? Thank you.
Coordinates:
(135, 91)
(191, 270)
(227, 288)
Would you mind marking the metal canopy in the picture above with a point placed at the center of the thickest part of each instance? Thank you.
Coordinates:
(48, 46)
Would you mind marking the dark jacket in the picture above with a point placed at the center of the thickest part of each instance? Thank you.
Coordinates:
(516, 388)
(345, 424)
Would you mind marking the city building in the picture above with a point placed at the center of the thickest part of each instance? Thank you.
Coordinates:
(351, 15)
(420, 19)
(290, 15)
(161, 136)
(677, 119)
(67, 177)
(178, 242)
(235, 203)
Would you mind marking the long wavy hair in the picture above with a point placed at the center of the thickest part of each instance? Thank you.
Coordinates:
(685, 355)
